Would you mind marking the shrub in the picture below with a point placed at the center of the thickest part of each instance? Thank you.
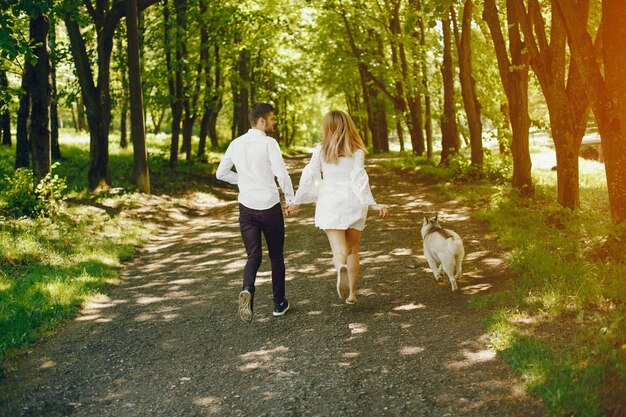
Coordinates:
(23, 198)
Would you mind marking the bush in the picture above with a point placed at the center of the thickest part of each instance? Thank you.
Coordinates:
(23, 198)
(496, 168)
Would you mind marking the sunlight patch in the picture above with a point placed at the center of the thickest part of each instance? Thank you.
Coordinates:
(411, 350)
(358, 328)
(149, 300)
(401, 251)
(409, 307)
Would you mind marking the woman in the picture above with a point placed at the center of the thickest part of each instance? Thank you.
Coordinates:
(335, 178)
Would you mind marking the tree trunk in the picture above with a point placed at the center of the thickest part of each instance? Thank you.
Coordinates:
(400, 134)
(123, 121)
(5, 116)
(567, 104)
(97, 96)
(450, 141)
(428, 121)
(41, 87)
(80, 112)
(97, 101)
(175, 82)
(138, 126)
(22, 147)
(54, 111)
(123, 65)
(217, 98)
(240, 110)
(514, 76)
(378, 124)
(604, 86)
(567, 173)
(468, 84)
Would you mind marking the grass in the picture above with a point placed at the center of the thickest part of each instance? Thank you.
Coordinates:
(561, 323)
(49, 266)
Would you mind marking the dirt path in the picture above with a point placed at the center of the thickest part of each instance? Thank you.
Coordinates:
(167, 341)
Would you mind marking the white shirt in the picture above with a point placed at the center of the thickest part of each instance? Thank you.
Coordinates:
(258, 160)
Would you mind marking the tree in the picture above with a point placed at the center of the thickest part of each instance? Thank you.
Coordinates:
(450, 142)
(175, 78)
(604, 83)
(22, 144)
(514, 77)
(40, 92)
(565, 96)
(138, 127)
(428, 121)
(5, 116)
(55, 148)
(468, 83)
(97, 95)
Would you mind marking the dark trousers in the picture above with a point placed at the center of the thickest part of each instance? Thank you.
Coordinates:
(269, 222)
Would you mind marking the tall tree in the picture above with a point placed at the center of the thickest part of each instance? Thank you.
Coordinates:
(97, 96)
(55, 148)
(240, 83)
(175, 75)
(40, 90)
(563, 90)
(450, 141)
(138, 126)
(605, 86)
(22, 143)
(428, 121)
(514, 77)
(468, 83)
(5, 116)
(376, 109)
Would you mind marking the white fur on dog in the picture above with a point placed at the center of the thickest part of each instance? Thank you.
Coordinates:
(443, 249)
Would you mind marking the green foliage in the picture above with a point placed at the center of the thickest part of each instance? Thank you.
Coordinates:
(21, 197)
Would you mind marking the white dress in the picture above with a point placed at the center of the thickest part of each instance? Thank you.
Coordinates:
(341, 190)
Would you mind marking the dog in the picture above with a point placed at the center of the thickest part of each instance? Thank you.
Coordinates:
(443, 249)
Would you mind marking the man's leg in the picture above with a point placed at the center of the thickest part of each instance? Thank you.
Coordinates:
(274, 231)
(250, 229)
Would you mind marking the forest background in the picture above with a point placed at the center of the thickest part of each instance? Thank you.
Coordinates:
(104, 103)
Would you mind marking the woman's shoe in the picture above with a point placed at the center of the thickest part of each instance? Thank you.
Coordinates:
(343, 288)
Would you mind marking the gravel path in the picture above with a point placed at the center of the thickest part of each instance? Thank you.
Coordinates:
(167, 340)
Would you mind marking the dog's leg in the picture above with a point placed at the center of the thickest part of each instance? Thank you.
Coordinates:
(432, 263)
(448, 267)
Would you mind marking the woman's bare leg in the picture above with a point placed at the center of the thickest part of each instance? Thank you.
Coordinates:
(337, 240)
(353, 237)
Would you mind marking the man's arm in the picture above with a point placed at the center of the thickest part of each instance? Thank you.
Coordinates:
(224, 171)
(280, 171)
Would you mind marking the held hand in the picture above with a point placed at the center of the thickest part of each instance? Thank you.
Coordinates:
(291, 209)
(383, 212)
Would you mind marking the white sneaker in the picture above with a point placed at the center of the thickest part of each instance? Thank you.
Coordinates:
(343, 288)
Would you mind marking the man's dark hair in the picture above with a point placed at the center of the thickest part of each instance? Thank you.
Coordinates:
(258, 110)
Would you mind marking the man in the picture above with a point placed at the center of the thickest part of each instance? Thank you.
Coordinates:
(258, 160)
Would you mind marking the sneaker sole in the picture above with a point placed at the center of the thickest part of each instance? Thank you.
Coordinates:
(245, 312)
(343, 288)
(282, 313)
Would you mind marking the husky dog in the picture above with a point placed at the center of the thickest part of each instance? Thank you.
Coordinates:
(443, 249)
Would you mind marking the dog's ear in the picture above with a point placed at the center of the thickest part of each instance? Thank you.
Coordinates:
(436, 219)
(425, 222)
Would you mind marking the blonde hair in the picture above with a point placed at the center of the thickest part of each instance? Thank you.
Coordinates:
(339, 137)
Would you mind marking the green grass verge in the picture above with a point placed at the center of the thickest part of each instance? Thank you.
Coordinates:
(49, 267)
(561, 323)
